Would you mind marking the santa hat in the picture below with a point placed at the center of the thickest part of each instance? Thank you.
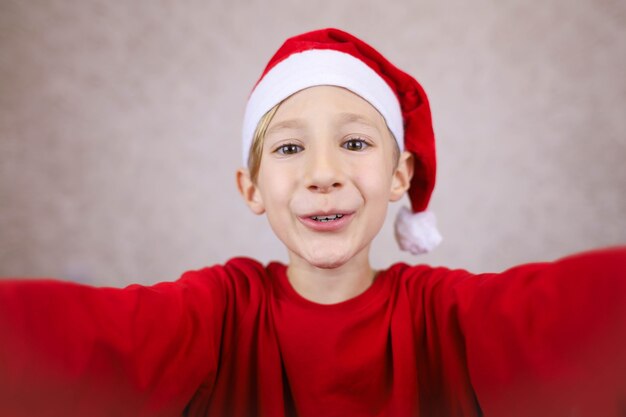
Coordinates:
(333, 57)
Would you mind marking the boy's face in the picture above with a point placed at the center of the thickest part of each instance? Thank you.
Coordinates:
(328, 170)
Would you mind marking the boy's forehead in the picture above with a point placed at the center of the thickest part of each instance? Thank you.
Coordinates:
(342, 105)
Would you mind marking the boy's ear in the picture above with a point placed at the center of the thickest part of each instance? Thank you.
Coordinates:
(401, 180)
(249, 191)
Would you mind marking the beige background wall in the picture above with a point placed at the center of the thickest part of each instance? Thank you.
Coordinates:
(119, 128)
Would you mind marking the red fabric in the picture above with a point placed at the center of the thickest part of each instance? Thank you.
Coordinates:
(236, 340)
(419, 137)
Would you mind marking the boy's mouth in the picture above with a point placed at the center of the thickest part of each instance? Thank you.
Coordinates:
(325, 219)
(326, 222)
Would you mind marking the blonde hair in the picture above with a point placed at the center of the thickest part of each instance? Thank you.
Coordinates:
(256, 148)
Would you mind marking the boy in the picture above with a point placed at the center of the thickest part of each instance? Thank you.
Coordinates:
(332, 133)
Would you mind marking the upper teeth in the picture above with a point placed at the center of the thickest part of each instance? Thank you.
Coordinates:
(327, 218)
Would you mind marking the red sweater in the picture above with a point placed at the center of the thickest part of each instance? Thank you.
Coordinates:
(237, 340)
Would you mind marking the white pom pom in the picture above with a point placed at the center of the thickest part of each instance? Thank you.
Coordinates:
(416, 232)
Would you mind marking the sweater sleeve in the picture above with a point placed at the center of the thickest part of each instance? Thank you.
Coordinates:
(548, 339)
(69, 349)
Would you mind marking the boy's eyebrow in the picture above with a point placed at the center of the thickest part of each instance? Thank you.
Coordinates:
(286, 124)
(347, 117)
(342, 118)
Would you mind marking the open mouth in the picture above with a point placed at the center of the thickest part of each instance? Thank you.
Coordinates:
(325, 219)
(327, 222)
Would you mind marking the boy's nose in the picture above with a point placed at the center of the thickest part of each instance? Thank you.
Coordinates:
(323, 173)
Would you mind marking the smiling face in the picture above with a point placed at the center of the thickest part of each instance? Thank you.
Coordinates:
(328, 169)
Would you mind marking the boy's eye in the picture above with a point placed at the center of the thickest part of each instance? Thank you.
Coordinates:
(288, 149)
(355, 144)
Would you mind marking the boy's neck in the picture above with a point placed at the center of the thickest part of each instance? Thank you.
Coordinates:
(331, 285)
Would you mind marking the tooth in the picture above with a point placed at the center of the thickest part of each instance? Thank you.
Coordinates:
(327, 218)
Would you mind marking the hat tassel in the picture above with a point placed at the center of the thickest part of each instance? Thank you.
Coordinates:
(416, 232)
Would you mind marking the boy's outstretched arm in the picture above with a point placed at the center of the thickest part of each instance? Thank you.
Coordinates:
(69, 349)
(548, 339)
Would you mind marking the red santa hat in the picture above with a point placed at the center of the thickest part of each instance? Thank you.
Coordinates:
(333, 57)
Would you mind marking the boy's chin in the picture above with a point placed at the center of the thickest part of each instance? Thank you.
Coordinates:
(327, 263)
(327, 259)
